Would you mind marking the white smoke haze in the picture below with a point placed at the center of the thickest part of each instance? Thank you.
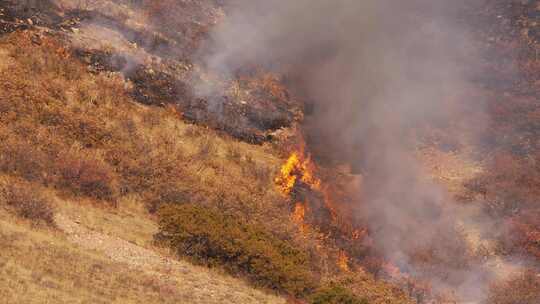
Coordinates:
(375, 70)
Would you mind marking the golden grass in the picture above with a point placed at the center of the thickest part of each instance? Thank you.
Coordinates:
(450, 169)
(82, 134)
(55, 116)
(26, 200)
(42, 266)
(58, 124)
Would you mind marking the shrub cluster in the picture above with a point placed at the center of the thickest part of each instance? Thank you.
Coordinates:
(80, 134)
(211, 237)
(77, 171)
(26, 201)
(88, 175)
(336, 294)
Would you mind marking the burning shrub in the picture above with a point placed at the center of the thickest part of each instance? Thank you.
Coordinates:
(336, 294)
(211, 237)
(26, 201)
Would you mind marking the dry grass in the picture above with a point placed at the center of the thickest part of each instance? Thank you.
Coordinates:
(82, 134)
(451, 169)
(41, 266)
(26, 200)
(81, 137)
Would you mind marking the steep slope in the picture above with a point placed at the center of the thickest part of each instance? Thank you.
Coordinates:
(124, 161)
(79, 150)
(75, 264)
(44, 264)
(91, 250)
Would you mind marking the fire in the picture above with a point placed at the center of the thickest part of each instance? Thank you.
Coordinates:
(288, 174)
(299, 215)
(343, 261)
(297, 167)
(328, 202)
(359, 234)
(308, 177)
(300, 168)
(299, 212)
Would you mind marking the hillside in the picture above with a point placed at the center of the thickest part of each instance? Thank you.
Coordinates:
(165, 152)
(85, 241)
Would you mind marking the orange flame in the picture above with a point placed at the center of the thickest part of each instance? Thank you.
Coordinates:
(359, 234)
(288, 174)
(299, 215)
(343, 261)
(299, 167)
(299, 212)
(308, 169)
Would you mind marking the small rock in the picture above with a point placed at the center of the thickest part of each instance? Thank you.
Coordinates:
(36, 39)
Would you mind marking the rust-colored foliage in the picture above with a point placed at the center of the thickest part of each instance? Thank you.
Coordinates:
(26, 200)
(523, 288)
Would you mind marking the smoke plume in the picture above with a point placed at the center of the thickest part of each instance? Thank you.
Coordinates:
(375, 70)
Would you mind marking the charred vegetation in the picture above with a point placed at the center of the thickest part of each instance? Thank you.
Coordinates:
(289, 198)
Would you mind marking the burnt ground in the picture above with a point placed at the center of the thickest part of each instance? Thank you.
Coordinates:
(508, 33)
(157, 61)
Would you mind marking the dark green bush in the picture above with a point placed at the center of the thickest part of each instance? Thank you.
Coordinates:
(210, 237)
(336, 294)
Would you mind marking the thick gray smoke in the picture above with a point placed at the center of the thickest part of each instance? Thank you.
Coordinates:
(375, 70)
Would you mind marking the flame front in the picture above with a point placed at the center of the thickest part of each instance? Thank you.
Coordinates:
(297, 167)
(288, 174)
(299, 171)
(298, 216)
(299, 213)
(300, 168)
(343, 261)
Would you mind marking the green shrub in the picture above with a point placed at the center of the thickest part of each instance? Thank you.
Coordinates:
(213, 238)
(336, 294)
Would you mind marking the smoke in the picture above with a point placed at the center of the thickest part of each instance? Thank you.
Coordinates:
(375, 71)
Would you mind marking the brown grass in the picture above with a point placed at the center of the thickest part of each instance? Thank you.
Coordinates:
(26, 200)
(38, 266)
(523, 288)
(81, 136)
